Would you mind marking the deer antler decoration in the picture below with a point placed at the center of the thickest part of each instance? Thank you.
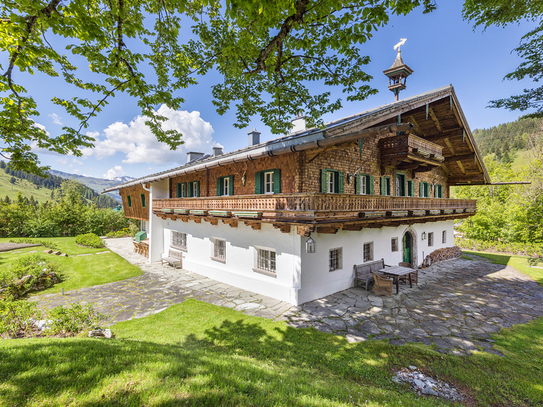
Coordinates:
(350, 175)
(243, 179)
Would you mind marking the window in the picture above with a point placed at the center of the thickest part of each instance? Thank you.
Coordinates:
(181, 190)
(194, 189)
(394, 244)
(268, 182)
(265, 261)
(400, 184)
(225, 186)
(410, 188)
(364, 184)
(143, 203)
(332, 181)
(431, 239)
(424, 190)
(179, 240)
(219, 250)
(438, 191)
(385, 185)
(368, 252)
(335, 259)
(129, 201)
(444, 237)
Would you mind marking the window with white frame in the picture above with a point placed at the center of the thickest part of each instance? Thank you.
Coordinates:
(331, 182)
(226, 186)
(394, 244)
(265, 261)
(444, 237)
(431, 239)
(219, 249)
(268, 182)
(364, 185)
(179, 240)
(368, 251)
(335, 259)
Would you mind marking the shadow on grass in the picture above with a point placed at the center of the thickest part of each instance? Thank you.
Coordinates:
(199, 354)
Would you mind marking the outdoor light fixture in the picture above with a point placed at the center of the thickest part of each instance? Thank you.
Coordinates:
(423, 236)
(310, 245)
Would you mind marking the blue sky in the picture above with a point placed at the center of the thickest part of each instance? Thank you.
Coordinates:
(441, 48)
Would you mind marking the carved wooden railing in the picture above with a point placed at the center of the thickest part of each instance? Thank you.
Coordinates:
(405, 143)
(312, 202)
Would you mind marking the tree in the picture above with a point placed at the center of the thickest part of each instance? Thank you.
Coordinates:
(268, 54)
(485, 13)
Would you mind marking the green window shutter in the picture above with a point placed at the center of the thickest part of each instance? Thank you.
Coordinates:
(372, 187)
(421, 189)
(178, 190)
(413, 188)
(277, 181)
(324, 189)
(219, 186)
(357, 184)
(440, 191)
(197, 189)
(258, 183)
(129, 201)
(436, 192)
(383, 186)
(341, 183)
(360, 146)
(231, 185)
(190, 192)
(143, 203)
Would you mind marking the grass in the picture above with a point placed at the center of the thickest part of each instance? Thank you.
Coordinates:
(27, 188)
(104, 268)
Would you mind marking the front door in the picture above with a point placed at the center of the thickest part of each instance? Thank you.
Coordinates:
(407, 246)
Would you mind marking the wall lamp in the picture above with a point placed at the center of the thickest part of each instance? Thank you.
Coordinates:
(310, 245)
(423, 236)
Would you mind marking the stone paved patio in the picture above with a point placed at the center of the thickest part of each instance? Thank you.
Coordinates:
(456, 305)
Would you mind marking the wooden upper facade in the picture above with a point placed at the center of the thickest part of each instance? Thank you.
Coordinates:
(362, 171)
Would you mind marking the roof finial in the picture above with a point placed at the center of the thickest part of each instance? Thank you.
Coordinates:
(398, 72)
(398, 45)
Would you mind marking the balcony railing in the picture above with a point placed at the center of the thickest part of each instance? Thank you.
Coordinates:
(317, 202)
(408, 143)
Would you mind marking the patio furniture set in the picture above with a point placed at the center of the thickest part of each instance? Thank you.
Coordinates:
(384, 276)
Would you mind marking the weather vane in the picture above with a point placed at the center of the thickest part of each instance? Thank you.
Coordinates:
(398, 45)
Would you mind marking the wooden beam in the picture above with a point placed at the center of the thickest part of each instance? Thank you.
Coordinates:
(253, 224)
(473, 178)
(196, 219)
(305, 230)
(435, 120)
(416, 126)
(462, 157)
(446, 169)
(408, 166)
(232, 222)
(213, 221)
(354, 228)
(449, 145)
(457, 116)
(328, 230)
(424, 168)
(282, 227)
(461, 166)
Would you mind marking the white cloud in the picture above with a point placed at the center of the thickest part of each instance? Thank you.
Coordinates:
(75, 161)
(114, 172)
(56, 118)
(136, 141)
(62, 161)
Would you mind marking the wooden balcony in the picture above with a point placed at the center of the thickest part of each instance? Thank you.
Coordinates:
(316, 208)
(410, 152)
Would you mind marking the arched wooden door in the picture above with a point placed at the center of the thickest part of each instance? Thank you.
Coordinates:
(407, 247)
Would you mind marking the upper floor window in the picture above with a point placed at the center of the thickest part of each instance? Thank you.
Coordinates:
(410, 188)
(400, 184)
(225, 186)
(424, 190)
(194, 189)
(332, 181)
(364, 184)
(268, 182)
(143, 202)
(181, 190)
(438, 191)
(385, 185)
(129, 201)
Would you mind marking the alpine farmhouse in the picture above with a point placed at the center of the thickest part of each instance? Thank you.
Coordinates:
(288, 218)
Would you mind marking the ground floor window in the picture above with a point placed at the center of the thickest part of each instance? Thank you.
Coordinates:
(219, 249)
(335, 259)
(179, 240)
(431, 239)
(394, 244)
(444, 237)
(368, 251)
(266, 260)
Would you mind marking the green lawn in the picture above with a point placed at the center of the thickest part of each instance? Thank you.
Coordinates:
(196, 353)
(80, 271)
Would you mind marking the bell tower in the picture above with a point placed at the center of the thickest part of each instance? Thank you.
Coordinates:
(398, 73)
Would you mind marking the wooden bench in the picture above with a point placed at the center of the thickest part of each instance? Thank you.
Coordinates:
(362, 272)
(173, 259)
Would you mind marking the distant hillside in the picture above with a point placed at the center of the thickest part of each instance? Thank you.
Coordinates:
(507, 140)
(30, 185)
(97, 184)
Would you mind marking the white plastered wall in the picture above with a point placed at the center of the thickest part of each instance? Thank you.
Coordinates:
(317, 281)
(158, 190)
(241, 248)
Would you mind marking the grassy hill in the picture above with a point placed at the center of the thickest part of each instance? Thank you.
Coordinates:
(28, 189)
(98, 184)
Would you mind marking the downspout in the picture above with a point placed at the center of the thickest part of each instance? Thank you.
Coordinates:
(150, 218)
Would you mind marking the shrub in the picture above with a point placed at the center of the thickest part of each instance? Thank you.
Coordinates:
(526, 249)
(72, 319)
(124, 232)
(16, 318)
(89, 240)
(29, 273)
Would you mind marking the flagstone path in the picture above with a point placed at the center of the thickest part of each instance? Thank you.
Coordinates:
(456, 305)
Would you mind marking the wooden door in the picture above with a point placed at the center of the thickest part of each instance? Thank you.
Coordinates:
(407, 247)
